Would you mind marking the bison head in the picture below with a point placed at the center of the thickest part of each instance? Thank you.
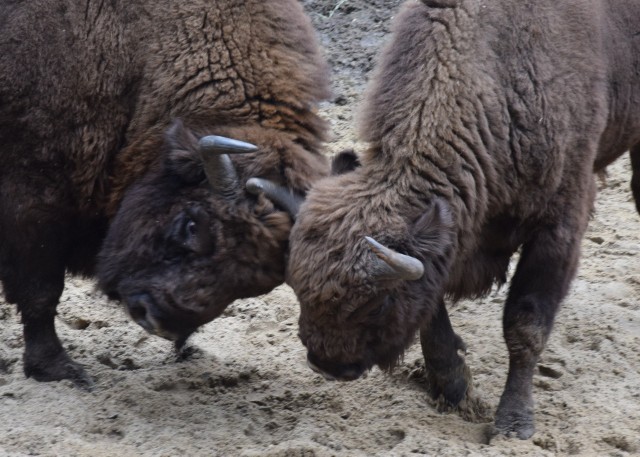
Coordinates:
(368, 268)
(189, 238)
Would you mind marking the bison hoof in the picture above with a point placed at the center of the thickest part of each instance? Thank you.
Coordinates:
(515, 423)
(449, 387)
(57, 368)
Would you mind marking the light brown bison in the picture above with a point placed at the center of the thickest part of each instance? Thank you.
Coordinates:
(486, 122)
(106, 112)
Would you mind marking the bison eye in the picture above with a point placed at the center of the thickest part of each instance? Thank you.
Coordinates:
(191, 228)
(381, 310)
(186, 230)
(189, 231)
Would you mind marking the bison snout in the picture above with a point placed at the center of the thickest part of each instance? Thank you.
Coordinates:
(139, 307)
(143, 310)
(326, 376)
(336, 372)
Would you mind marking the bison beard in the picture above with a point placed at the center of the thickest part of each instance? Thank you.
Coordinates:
(105, 114)
(485, 123)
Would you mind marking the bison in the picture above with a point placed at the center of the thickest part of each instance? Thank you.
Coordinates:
(117, 121)
(485, 122)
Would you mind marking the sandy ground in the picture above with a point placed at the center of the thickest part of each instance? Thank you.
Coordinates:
(246, 390)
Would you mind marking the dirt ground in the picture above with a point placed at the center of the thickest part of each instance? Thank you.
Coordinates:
(246, 390)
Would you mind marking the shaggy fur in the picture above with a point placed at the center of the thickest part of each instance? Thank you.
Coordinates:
(486, 122)
(88, 94)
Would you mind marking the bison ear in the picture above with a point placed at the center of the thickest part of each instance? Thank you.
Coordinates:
(182, 146)
(433, 230)
(344, 162)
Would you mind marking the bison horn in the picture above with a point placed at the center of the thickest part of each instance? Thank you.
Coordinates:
(393, 265)
(221, 145)
(278, 194)
(218, 166)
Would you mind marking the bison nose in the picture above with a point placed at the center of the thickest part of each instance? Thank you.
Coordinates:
(326, 376)
(140, 308)
(335, 371)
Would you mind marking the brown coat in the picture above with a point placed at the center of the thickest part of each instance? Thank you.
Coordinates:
(486, 121)
(88, 92)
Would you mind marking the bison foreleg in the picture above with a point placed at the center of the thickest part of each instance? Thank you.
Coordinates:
(35, 249)
(44, 358)
(447, 374)
(546, 267)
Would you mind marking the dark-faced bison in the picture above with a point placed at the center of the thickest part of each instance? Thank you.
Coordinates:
(486, 122)
(104, 108)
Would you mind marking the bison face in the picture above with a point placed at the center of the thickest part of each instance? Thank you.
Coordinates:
(361, 301)
(188, 239)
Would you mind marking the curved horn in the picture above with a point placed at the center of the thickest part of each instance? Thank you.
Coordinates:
(214, 144)
(218, 167)
(277, 193)
(393, 265)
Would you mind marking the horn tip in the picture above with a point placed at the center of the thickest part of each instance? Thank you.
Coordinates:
(373, 243)
(205, 141)
(417, 271)
(254, 186)
(229, 145)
